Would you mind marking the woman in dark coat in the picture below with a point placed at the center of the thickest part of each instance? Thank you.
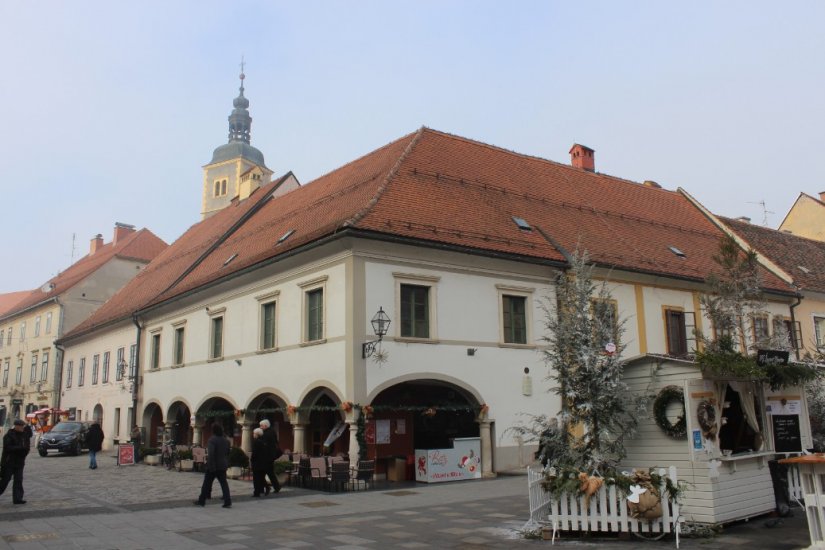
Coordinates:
(94, 439)
(260, 463)
(217, 461)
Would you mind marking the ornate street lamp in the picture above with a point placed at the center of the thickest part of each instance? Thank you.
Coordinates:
(380, 324)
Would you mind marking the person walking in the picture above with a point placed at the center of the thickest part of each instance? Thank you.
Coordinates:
(270, 439)
(16, 444)
(94, 439)
(217, 461)
(135, 435)
(260, 456)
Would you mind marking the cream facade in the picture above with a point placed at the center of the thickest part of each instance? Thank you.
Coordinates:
(806, 218)
(99, 379)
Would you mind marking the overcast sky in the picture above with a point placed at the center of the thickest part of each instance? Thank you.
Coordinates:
(110, 109)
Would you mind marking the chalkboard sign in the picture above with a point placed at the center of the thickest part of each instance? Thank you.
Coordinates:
(786, 436)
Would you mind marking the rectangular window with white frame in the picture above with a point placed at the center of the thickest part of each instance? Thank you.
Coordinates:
(515, 314)
(106, 356)
(180, 335)
(18, 375)
(6, 366)
(95, 368)
(268, 339)
(819, 331)
(8, 337)
(155, 351)
(33, 373)
(761, 333)
(37, 326)
(132, 361)
(2, 337)
(44, 366)
(69, 372)
(416, 297)
(314, 315)
(22, 331)
(121, 364)
(216, 333)
(49, 322)
(81, 372)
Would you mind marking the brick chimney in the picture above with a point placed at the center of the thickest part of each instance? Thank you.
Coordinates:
(822, 196)
(582, 157)
(97, 242)
(121, 230)
(743, 219)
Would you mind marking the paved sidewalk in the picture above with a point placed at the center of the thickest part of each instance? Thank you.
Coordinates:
(136, 507)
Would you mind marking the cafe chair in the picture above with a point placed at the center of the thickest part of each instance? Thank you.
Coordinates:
(339, 476)
(198, 458)
(363, 473)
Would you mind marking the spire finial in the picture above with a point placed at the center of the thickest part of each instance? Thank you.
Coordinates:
(239, 121)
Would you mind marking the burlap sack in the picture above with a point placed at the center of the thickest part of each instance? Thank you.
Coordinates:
(648, 507)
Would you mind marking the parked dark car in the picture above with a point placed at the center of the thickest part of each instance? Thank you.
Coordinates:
(65, 437)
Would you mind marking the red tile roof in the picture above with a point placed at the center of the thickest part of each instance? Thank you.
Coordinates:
(173, 262)
(434, 188)
(11, 299)
(142, 245)
(802, 258)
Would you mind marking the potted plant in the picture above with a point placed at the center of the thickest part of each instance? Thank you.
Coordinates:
(237, 462)
(150, 455)
(186, 462)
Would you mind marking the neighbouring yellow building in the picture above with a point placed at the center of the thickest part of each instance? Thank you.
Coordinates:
(806, 218)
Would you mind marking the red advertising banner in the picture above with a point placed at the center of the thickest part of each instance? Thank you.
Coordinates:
(125, 454)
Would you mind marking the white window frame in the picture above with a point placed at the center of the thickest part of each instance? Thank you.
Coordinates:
(44, 365)
(107, 358)
(48, 322)
(271, 298)
(69, 372)
(155, 343)
(35, 363)
(318, 283)
(81, 372)
(178, 336)
(213, 315)
(430, 281)
(520, 292)
(37, 326)
(819, 334)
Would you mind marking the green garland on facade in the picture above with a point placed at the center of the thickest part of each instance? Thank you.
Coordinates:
(565, 481)
(360, 436)
(669, 394)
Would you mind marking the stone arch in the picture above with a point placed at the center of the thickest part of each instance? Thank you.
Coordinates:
(321, 423)
(97, 414)
(217, 407)
(270, 404)
(152, 423)
(178, 421)
(470, 392)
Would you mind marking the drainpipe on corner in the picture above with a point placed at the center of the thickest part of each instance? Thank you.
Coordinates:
(793, 325)
(136, 380)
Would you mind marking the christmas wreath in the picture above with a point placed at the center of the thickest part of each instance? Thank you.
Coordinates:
(669, 394)
(706, 415)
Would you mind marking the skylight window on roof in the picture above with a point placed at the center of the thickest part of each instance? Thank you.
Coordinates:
(677, 251)
(286, 235)
(230, 258)
(803, 269)
(522, 224)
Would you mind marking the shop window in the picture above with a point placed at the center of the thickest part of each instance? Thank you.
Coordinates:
(741, 425)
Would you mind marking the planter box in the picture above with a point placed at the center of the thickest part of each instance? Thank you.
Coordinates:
(187, 465)
(152, 460)
(234, 472)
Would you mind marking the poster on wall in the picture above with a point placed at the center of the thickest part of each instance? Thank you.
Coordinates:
(369, 433)
(783, 404)
(382, 432)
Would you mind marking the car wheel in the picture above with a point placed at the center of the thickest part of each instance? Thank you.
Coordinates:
(43, 452)
(76, 450)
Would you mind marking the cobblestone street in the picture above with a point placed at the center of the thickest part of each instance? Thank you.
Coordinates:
(132, 507)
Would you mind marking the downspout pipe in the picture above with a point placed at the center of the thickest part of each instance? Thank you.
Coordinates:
(793, 325)
(136, 379)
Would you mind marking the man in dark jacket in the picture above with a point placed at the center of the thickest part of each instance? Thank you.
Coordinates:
(270, 439)
(15, 448)
(217, 461)
(94, 439)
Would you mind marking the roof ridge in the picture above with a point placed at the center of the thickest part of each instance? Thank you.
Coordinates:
(542, 159)
(777, 231)
(387, 179)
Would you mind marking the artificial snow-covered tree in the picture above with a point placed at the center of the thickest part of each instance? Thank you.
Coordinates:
(584, 355)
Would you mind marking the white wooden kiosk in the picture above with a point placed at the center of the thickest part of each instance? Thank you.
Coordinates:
(461, 461)
(734, 427)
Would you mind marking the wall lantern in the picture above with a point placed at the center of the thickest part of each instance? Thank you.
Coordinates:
(380, 324)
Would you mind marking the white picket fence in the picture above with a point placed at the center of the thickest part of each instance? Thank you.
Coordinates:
(795, 485)
(607, 512)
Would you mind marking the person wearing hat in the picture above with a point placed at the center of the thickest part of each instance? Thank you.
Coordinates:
(15, 448)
